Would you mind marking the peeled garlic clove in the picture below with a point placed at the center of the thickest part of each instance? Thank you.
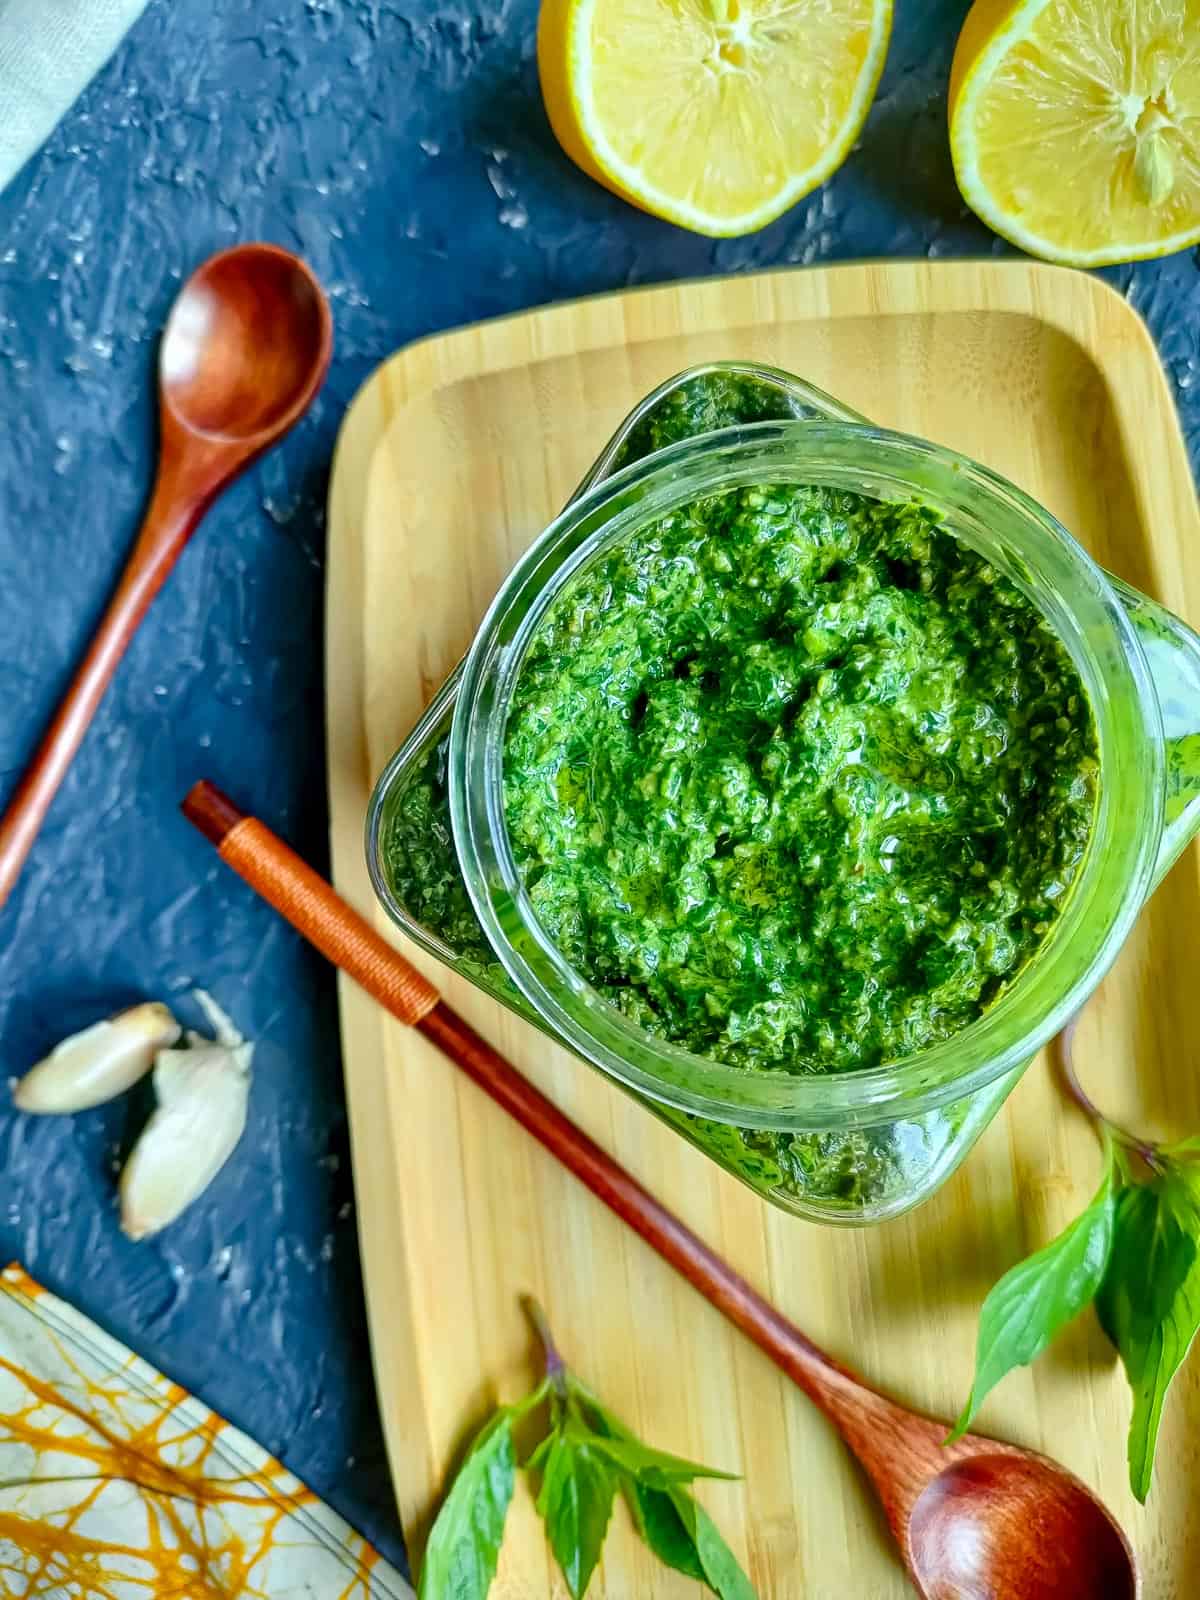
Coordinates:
(203, 1094)
(100, 1063)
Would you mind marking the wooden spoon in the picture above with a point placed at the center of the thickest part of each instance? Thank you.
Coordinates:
(975, 1520)
(245, 349)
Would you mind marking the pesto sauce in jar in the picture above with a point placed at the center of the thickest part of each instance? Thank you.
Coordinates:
(797, 780)
(839, 787)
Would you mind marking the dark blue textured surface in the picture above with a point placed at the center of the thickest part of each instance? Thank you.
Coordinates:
(401, 145)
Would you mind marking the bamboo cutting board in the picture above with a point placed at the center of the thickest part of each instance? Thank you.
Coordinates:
(452, 458)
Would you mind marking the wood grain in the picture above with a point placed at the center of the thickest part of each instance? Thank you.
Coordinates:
(453, 457)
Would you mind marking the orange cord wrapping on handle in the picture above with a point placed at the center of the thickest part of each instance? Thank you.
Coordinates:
(323, 917)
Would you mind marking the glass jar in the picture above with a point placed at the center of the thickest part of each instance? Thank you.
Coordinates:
(850, 1147)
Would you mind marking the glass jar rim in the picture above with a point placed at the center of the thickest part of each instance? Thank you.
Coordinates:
(1025, 542)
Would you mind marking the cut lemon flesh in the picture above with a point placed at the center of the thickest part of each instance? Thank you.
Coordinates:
(1075, 125)
(716, 114)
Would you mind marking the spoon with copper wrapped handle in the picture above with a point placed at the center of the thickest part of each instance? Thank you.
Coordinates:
(975, 1520)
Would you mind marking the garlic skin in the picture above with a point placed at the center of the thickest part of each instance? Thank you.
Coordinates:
(221, 1023)
(98, 1064)
(203, 1094)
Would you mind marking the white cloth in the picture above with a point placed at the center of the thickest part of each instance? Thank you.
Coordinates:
(121, 1483)
(49, 50)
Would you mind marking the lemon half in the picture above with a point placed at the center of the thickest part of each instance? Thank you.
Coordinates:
(715, 114)
(1075, 125)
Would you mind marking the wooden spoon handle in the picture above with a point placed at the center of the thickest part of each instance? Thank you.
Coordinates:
(168, 522)
(336, 929)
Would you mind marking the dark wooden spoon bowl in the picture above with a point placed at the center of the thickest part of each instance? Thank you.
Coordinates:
(245, 350)
(974, 1520)
(245, 347)
(1019, 1514)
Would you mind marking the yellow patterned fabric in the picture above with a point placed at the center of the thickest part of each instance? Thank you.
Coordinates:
(117, 1485)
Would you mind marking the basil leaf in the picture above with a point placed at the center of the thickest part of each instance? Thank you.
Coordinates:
(722, 1572)
(575, 1502)
(1152, 1254)
(1149, 1303)
(464, 1544)
(662, 1528)
(1040, 1295)
(655, 1468)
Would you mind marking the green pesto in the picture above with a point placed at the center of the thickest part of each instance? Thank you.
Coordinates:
(797, 780)
(418, 845)
(711, 401)
(1183, 774)
(1162, 637)
(422, 868)
(839, 1170)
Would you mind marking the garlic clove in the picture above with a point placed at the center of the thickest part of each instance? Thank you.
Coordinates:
(100, 1063)
(203, 1096)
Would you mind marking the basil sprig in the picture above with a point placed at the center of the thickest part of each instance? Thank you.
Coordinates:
(1134, 1254)
(581, 1456)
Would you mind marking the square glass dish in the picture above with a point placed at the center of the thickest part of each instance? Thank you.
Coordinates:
(856, 1146)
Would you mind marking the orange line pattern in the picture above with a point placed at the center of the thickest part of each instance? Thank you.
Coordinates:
(117, 1485)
